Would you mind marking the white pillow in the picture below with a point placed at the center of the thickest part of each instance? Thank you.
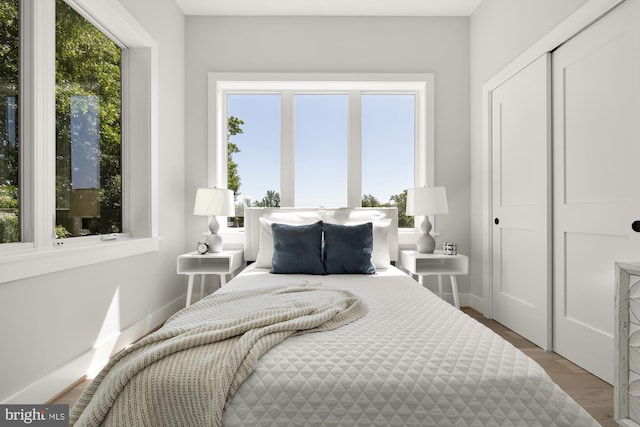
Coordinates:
(380, 255)
(358, 216)
(265, 249)
(293, 218)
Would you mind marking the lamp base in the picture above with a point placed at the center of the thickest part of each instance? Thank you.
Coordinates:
(214, 240)
(215, 243)
(426, 244)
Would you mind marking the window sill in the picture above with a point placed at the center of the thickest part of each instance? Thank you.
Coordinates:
(36, 262)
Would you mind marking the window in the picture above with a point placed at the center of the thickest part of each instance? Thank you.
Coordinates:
(388, 123)
(66, 167)
(339, 140)
(320, 139)
(88, 156)
(253, 151)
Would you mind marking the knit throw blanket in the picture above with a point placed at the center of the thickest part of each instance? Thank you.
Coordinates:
(186, 372)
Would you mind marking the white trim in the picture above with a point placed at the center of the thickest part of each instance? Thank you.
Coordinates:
(50, 385)
(38, 142)
(45, 72)
(575, 23)
(425, 131)
(140, 159)
(48, 260)
(354, 150)
(113, 19)
(288, 151)
(421, 84)
(253, 82)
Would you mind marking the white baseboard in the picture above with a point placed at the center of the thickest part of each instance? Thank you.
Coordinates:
(92, 360)
(465, 299)
(476, 302)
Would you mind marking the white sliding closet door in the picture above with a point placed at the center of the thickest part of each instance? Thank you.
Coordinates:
(520, 135)
(596, 138)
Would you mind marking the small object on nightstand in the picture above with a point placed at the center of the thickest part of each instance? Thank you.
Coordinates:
(220, 263)
(436, 264)
(202, 247)
(449, 248)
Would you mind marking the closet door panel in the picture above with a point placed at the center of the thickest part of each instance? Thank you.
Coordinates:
(520, 189)
(596, 140)
(599, 116)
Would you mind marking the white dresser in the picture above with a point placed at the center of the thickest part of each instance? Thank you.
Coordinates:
(627, 345)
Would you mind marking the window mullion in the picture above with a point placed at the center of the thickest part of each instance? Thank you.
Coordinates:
(47, 143)
(127, 149)
(38, 98)
(425, 134)
(288, 158)
(354, 148)
(26, 132)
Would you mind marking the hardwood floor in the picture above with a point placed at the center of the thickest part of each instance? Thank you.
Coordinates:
(593, 394)
(72, 394)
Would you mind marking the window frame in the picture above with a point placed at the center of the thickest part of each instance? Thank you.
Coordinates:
(355, 85)
(37, 144)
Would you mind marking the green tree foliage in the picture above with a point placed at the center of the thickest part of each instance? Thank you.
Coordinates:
(9, 161)
(369, 201)
(9, 29)
(9, 231)
(398, 201)
(234, 127)
(271, 199)
(8, 197)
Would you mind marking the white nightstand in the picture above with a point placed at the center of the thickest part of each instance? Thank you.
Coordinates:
(220, 263)
(436, 264)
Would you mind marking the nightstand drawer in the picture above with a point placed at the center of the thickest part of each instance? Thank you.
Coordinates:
(419, 263)
(210, 263)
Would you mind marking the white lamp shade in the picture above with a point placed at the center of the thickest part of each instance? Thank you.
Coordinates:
(214, 201)
(427, 201)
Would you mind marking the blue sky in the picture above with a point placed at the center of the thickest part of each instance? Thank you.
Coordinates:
(321, 146)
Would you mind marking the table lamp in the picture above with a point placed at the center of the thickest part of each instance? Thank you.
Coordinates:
(212, 202)
(426, 201)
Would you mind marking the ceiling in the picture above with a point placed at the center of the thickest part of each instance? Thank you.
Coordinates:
(330, 7)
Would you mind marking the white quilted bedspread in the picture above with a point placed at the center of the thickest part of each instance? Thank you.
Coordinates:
(413, 360)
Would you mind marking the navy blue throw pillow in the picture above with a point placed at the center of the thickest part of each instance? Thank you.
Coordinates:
(348, 248)
(297, 249)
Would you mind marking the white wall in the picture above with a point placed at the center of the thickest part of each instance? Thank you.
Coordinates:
(340, 45)
(499, 31)
(49, 324)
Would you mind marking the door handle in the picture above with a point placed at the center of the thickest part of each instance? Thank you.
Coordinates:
(635, 226)
(497, 221)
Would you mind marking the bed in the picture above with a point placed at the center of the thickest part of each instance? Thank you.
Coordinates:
(411, 360)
